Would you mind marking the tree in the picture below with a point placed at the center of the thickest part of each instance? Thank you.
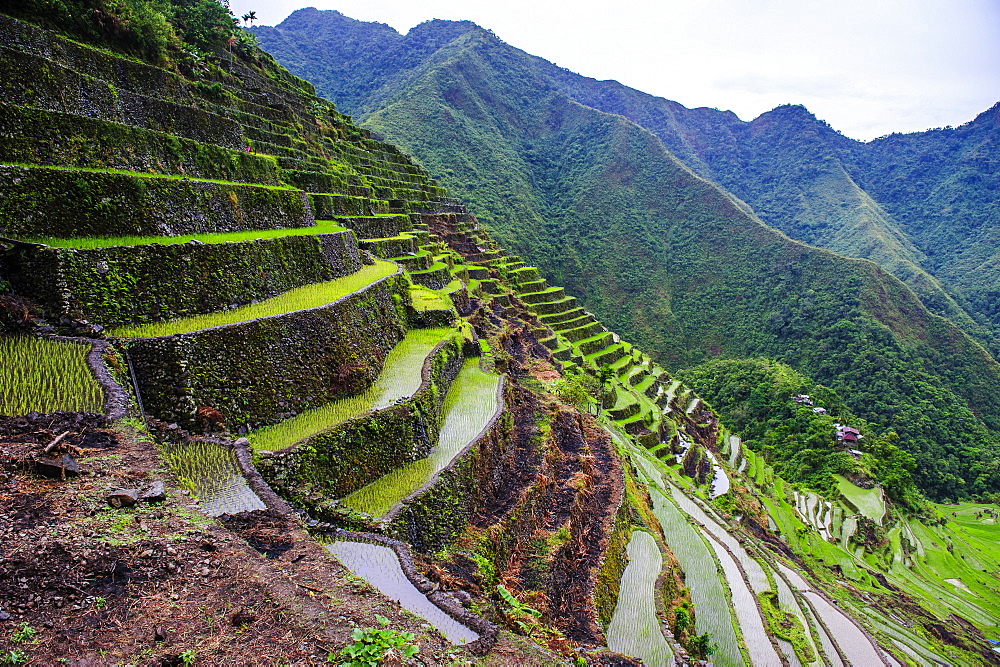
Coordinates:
(249, 17)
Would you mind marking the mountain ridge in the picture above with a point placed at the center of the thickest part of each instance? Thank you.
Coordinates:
(601, 206)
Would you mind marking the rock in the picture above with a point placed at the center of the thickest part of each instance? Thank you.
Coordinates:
(159, 634)
(66, 465)
(154, 493)
(123, 498)
(4, 616)
(464, 598)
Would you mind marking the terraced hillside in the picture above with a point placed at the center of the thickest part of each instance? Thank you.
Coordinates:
(567, 173)
(340, 369)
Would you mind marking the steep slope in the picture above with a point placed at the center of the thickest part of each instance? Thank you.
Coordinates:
(800, 176)
(941, 185)
(677, 264)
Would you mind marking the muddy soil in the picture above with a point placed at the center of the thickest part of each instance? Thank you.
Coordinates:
(82, 583)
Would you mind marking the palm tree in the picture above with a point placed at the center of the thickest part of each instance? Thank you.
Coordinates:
(250, 17)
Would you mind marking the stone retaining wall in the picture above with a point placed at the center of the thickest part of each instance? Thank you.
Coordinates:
(103, 285)
(341, 460)
(261, 371)
(38, 136)
(61, 203)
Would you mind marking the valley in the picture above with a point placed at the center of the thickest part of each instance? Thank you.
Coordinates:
(299, 405)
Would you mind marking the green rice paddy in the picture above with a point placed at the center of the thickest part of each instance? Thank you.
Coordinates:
(469, 406)
(400, 378)
(211, 473)
(424, 298)
(634, 629)
(216, 237)
(868, 501)
(712, 607)
(39, 375)
(300, 298)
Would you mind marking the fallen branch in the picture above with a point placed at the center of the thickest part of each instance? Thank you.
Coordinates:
(49, 447)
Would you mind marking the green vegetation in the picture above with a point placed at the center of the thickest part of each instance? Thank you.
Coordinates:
(372, 646)
(221, 237)
(470, 404)
(301, 298)
(40, 375)
(151, 30)
(400, 378)
(868, 502)
(669, 261)
(785, 625)
(13, 657)
(23, 633)
(754, 398)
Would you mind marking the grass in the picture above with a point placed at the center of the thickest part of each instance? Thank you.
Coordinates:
(470, 404)
(400, 378)
(300, 298)
(39, 375)
(218, 237)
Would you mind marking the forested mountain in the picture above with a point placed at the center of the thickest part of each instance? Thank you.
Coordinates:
(919, 205)
(249, 352)
(674, 261)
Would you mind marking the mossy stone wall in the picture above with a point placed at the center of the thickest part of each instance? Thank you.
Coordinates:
(38, 202)
(259, 372)
(37, 136)
(328, 206)
(433, 516)
(35, 81)
(339, 461)
(149, 283)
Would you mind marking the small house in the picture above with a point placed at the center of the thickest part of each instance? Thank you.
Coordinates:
(847, 434)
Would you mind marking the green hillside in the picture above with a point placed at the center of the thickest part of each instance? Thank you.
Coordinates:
(873, 200)
(669, 259)
(287, 402)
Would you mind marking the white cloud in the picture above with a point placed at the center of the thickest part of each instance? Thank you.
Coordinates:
(867, 67)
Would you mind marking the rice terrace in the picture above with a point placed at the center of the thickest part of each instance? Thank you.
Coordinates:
(509, 366)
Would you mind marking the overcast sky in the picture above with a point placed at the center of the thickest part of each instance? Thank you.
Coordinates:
(868, 67)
